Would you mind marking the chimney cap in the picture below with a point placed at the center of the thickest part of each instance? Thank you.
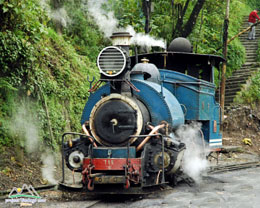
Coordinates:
(120, 34)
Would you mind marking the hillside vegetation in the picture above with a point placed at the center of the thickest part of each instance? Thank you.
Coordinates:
(43, 78)
(46, 54)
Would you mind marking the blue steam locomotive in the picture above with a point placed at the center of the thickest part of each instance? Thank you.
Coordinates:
(129, 123)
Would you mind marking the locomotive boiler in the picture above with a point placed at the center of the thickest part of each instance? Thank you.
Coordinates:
(133, 112)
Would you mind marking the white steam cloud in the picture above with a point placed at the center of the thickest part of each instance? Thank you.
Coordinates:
(60, 15)
(57, 15)
(144, 39)
(48, 167)
(25, 128)
(106, 21)
(108, 24)
(194, 160)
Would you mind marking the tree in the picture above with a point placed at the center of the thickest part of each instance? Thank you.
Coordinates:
(223, 72)
(184, 30)
(181, 12)
(147, 12)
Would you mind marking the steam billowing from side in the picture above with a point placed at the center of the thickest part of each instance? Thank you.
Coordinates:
(25, 128)
(108, 24)
(48, 160)
(194, 160)
(144, 40)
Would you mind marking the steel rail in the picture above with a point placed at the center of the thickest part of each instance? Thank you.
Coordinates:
(233, 167)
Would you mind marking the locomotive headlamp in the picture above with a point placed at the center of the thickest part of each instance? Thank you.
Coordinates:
(75, 159)
(111, 61)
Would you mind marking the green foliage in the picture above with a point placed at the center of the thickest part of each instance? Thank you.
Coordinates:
(208, 32)
(8, 93)
(162, 20)
(236, 57)
(254, 4)
(251, 93)
(16, 54)
(82, 32)
(24, 18)
(258, 52)
(129, 12)
(48, 71)
(40, 67)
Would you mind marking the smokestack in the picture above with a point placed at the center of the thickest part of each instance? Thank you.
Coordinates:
(121, 39)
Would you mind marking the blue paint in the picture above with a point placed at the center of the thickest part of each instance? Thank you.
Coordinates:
(92, 100)
(113, 152)
(179, 99)
(162, 107)
(198, 97)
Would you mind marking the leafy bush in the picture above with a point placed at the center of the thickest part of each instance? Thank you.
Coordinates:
(82, 32)
(39, 69)
(258, 52)
(253, 4)
(251, 93)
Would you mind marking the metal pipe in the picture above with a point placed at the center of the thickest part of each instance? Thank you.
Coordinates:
(87, 133)
(157, 178)
(152, 127)
(163, 177)
(62, 158)
(136, 55)
(155, 129)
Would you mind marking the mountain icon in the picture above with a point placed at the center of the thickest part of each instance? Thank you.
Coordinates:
(19, 192)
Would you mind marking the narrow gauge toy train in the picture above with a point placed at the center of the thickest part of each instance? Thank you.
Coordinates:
(129, 123)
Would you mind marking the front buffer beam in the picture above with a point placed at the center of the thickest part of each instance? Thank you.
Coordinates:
(111, 171)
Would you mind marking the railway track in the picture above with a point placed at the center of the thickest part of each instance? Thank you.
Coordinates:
(213, 170)
(92, 204)
(233, 167)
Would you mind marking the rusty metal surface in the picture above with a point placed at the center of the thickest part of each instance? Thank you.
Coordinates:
(109, 179)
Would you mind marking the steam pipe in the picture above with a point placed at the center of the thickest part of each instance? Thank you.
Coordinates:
(155, 129)
(87, 133)
(136, 55)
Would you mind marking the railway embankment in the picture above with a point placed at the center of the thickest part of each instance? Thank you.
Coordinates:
(241, 136)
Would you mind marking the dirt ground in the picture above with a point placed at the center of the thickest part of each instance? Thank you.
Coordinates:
(17, 168)
(241, 127)
(241, 123)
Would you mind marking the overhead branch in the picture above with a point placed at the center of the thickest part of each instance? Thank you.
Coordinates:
(192, 19)
(178, 27)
